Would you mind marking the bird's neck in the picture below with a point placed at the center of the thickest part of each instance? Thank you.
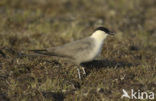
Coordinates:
(99, 35)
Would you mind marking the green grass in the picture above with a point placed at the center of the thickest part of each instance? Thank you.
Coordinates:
(128, 60)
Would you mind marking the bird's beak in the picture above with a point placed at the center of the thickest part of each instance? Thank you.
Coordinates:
(111, 33)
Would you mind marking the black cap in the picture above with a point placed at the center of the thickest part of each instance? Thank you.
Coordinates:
(105, 30)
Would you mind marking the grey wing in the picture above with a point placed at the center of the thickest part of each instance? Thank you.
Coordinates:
(73, 49)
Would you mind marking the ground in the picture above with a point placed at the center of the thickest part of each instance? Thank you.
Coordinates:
(128, 60)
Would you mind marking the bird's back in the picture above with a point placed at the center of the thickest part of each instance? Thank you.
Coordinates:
(77, 51)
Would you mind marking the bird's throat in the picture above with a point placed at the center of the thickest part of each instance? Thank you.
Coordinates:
(99, 35)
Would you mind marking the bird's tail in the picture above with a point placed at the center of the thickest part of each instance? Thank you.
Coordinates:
(35, 53)
(40, 52)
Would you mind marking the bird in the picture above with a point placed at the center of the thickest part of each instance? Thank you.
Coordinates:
(79, 51)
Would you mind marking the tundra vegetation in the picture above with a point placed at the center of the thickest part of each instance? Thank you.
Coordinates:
(128, 60)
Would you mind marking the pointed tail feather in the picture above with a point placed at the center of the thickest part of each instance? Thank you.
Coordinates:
(47, 53)
(44, 52)
(33, 55)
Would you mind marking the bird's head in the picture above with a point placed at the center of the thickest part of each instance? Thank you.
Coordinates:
(101, 33)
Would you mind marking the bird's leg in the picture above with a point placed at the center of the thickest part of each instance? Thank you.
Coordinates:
(83, 69)
(78, 71)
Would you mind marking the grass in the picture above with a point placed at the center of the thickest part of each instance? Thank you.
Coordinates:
(128, 60)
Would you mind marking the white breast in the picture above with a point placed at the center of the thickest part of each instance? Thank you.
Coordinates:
(97, 49)
(99, 37)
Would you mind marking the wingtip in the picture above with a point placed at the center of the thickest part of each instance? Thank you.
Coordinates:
(36, 50)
